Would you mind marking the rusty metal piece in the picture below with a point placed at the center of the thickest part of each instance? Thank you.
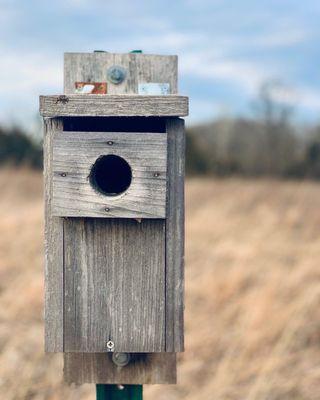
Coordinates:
(91, 87)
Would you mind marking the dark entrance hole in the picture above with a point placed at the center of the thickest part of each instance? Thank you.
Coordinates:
(110, 175)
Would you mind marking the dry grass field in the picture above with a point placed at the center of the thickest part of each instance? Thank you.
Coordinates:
(252, 293)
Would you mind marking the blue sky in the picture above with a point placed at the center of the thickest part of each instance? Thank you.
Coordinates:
(226, 49)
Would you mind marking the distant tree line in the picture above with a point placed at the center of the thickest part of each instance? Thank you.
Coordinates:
(267, 144)
(18, 148)
(247, 147)
(224, 147)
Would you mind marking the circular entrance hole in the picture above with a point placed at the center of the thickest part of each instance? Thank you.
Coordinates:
(110, 175)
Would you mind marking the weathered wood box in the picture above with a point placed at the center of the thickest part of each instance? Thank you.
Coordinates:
(114, 193)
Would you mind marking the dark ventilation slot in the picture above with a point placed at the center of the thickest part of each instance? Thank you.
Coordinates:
(114, 124)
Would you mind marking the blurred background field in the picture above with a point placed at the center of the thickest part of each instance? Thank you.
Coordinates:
(252, 292)
(251, 70)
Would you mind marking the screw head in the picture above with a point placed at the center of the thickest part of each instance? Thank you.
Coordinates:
(116, 74)
(156, 174)
(110, 142)
(110, 345)
(63, 174)
(107, 209)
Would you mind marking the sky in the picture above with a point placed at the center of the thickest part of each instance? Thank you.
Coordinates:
(227, 49)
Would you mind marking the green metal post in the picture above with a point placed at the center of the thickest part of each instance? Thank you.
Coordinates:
(119, 392)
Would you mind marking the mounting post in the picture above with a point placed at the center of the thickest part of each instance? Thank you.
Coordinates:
(119, 392)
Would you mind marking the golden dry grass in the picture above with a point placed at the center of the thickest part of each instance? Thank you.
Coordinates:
(252, 293)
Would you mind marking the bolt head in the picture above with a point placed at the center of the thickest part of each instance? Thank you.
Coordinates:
(116, 74)
(121, 359)
(110, 345)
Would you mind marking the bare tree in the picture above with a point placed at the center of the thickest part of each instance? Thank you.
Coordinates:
(274, 110)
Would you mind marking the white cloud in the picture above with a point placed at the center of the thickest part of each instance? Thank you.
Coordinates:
(296, 97)
(23, 78)
(201, 109)
(282, 38)
(169, 41)
(248, 76)
(22, 74)
(309, 99)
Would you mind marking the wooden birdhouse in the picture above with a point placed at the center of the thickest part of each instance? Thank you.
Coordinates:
(114, 194)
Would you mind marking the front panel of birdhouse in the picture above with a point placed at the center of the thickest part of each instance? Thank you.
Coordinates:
(114, 190)
(109, 174)
(110, 189)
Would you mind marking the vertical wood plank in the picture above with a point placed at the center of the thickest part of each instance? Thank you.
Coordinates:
(53, 250)
(95, 367)
(175, 235)
(141, 68)
(114, 285)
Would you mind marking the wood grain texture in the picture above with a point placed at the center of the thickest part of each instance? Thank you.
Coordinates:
(148, 368)
(91, 105)
(74, 154)
(53, 250)
(175, 236)
(141, 68)
(93, 367)
(114, 283)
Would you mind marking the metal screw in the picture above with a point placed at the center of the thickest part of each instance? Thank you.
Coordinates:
(156, 174)
(116, 74)
(63, 174)
(107, 209)
(110, 345)
(110, 142)
(121, 359)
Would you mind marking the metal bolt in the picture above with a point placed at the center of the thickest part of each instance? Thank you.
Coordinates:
(110, 345)
(110, 142)
(107, 209)
(116, 74)
(121, 359)
(156, 174)
(63, 174)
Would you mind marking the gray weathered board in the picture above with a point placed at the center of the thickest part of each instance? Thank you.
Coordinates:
(175, 235)
(141, 68)
(92, 105)
(114, 284)
(53, 250)
(96, 367)
(74, 154)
